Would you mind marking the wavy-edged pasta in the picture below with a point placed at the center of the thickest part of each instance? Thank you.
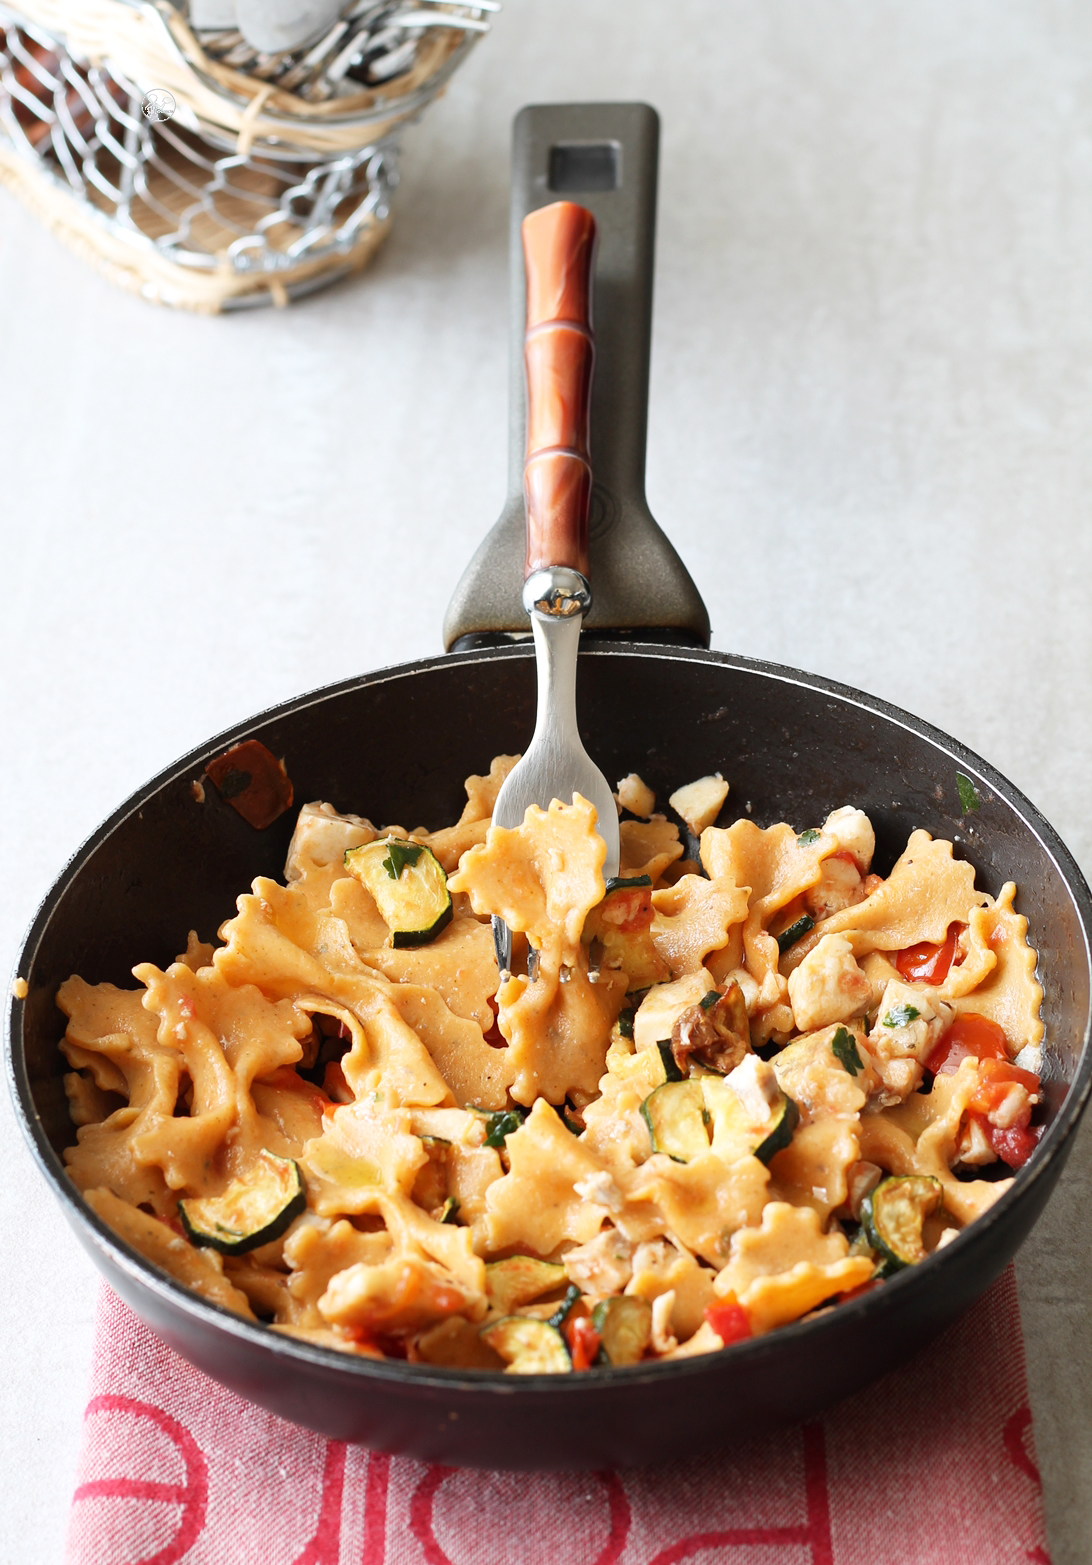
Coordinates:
(709, 1098)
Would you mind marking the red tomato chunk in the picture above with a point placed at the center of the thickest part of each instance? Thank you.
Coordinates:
(729, 1321)
(628, 909)
(928, 963)
(969, 1037)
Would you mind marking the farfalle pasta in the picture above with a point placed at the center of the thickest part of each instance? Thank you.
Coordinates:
(712, 1096)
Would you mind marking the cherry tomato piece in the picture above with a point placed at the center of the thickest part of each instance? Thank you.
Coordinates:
(1015, 1145)
(969, 1037)
(928, 963)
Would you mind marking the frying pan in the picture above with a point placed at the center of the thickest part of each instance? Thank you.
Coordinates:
(396, 744)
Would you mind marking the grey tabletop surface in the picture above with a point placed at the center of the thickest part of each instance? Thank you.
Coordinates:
(869, 440)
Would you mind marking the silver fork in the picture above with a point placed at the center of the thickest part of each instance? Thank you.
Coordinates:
(559, 250)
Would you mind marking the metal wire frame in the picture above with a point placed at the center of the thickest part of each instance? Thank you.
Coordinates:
(167, 187)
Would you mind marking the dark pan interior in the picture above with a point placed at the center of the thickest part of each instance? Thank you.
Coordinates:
(395, 746)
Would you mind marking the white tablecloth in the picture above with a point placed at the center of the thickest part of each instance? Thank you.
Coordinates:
(871, 392)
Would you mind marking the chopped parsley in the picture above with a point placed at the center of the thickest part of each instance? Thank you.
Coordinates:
(806, 838)
(234, 782)
(845, 1050)
(968, 798)
(708, 1001)
(502, 1123)
(399, 854)
(789, 937)
(449, 1210)
(901, 1015)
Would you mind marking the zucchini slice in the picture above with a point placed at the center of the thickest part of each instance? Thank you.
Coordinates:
(528, 1347)
(677, 1120)
(625, 1328)
(788, 937)
(892, 1218)
(564, 1309)
(519, 1280)
(409, 885)
(667, 1060)
(736, 1133)
(252, 1211)
(621, 883)
(618, 933)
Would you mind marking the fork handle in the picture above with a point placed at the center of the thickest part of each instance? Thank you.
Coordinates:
(558, 353)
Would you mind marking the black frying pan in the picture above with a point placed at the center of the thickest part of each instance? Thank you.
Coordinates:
(794, 747)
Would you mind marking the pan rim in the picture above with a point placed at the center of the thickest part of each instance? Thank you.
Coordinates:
(423, 1378)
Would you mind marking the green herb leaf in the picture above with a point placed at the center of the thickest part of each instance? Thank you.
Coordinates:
(806, 838)
(789, 937)
(502, 1123)
(845, 1050)
(449, 1211)
(901, 1015)
(399, 854)
(572, 1293)
(233, 783)
(625, 1023)
(968, 798)
(708, 1001)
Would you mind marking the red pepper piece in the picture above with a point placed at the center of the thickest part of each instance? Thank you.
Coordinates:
(969, 1037)
(583, 1340)
(928, 963)
(253, 782)
(729, 1320)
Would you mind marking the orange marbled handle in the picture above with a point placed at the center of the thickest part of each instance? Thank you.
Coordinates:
(559, 351)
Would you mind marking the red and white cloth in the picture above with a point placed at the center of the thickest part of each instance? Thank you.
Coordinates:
(932, 1466)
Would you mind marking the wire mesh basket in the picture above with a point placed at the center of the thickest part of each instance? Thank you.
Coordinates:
(199, 184)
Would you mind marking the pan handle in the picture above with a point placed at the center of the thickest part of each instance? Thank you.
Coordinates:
(558, 353)
(603, 155)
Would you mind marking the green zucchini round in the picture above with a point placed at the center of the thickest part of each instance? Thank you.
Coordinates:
(892, 1217)
(520, 1279)
(528, 1346)
(677, 1120)
(409, 886)
(624, 1325)
(254, 1209)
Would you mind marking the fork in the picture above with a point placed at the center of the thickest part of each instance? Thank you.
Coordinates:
(559, 254)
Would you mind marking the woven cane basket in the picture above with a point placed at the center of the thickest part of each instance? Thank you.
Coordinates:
(192, 182)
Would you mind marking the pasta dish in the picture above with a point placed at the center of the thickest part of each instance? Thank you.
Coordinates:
(742, 1083)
